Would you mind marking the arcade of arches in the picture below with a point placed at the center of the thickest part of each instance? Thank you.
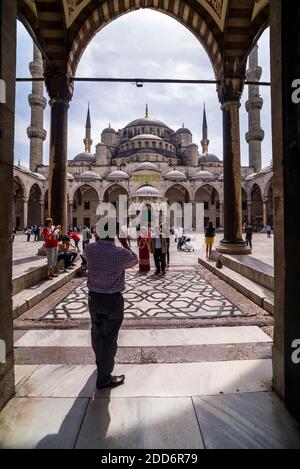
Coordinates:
(228, 30)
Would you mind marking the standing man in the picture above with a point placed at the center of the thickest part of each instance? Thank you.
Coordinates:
(106, 264)
(249, 234)
(179, 237)
(158, 247)
(86, 236)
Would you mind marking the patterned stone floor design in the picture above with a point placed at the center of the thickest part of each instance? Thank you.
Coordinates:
(179, 295)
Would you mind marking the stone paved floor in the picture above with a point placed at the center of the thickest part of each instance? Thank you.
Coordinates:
(178, 295)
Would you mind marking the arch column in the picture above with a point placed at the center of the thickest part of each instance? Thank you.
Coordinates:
(42, 212)
(25, 211)
(233, 242)
(60, 92)
(70, 212)
(221, 214)
(249, 210)
(265, 211)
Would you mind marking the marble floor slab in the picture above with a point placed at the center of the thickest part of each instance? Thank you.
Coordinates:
(152, 380)
(23, 372)
(147, 337)
(140, 423)
(183, 294)
(246, 421)
(41, 423)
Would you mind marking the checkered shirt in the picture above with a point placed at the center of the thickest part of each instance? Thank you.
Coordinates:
(106, 265)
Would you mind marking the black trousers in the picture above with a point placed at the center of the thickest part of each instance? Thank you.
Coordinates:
(107, 312)
(249, 241)
(160, 260)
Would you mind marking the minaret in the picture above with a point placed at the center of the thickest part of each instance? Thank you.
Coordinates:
(254, 105)
(204, 141)
(87, 140)
(37, 102)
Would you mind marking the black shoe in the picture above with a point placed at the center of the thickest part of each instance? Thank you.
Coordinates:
(113, 382)
(156, 273)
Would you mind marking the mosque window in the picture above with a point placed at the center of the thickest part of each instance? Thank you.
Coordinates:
(140, 144)
(86, 205)
(147, 144)
(74, 205)
(154, 144)
(143, 130)
(160, 145)
(206, 205)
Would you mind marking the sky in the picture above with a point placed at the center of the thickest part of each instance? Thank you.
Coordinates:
(144, 44)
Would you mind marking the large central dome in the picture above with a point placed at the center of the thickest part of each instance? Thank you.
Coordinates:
(147, 121)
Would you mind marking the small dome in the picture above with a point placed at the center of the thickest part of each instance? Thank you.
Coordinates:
(175, 176)
(40, 176)
(90, 157)
(89, 175)
(203, 175)
(251, 176)
(145, 137)
(70, 177)
(147, 191)
(209, 158)
(109, 130)
(147, 166)
(117, 175)
(183, 130)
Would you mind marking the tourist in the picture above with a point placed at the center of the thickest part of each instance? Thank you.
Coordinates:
(158, 247)
(249, 233)
(64, 251)
(76, 238)
(28, 233)
(37, 232)
(51, 242)
(143, 242)
(269, 231)
(210, 234)
(179, 236)
(86, 236)
(106, 264)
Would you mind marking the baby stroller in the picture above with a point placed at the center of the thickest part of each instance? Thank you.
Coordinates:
(186, 244)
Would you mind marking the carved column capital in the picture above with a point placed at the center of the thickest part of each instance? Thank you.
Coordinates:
(58, 83)
(230, 90)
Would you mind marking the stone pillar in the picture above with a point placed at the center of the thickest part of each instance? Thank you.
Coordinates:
(71, 213)
(249, 209)
(42, 212)
(25, 211)
(60, 91)
(37, 102)
(285, 68)
(221, 215)
(265, 212)
(233, 242)
(8, 15)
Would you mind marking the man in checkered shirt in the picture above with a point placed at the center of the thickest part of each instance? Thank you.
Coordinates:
(106, 264)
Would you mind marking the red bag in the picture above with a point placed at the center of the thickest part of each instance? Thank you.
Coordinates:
(219, 263)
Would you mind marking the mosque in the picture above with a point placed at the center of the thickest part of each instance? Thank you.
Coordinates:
(147, 161)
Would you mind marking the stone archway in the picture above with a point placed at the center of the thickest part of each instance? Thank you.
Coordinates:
(209, 196)
(177, 196)
(85, 203)
(257, 209)
(18, 204)
(34, 206)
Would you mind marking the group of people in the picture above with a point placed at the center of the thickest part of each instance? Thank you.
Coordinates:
(57, 242)
(33, 231)
(157, 243)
